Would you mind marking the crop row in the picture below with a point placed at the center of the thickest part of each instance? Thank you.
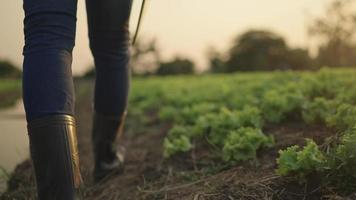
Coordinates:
(230, 112)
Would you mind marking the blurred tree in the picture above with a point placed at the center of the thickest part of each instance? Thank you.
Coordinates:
(336, 32)
(216, 61)
(145, 57)
(176, 66)
(299, 59)
(90, 73)
(9, 70)
(264, 50)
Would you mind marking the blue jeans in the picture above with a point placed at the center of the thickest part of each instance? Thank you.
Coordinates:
(49, 28)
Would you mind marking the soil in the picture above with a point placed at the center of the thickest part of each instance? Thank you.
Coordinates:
(194, 176)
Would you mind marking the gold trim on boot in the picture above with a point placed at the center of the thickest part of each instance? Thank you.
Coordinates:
(73, 145)
(122, 125)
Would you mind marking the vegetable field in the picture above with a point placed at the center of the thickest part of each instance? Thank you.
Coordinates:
(250, 136)
(227, 115)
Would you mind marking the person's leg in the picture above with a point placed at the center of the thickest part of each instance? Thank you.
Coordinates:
(108, 22)
(48, 95)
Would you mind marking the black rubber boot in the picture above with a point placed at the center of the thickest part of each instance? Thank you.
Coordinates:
(53, 148)
(108, 156)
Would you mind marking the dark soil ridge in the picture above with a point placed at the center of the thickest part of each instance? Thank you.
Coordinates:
(148, 176)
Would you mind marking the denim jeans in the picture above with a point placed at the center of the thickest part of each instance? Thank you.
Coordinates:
(49, 28)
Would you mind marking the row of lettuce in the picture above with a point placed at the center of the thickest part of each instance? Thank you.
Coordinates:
(230, 112)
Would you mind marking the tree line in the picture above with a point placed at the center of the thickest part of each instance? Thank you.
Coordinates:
(9, 70)
(265, 50)
(255, 50)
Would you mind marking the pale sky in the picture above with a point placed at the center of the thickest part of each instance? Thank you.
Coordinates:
(182, 27)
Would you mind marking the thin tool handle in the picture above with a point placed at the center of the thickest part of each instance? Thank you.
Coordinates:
(139, 22)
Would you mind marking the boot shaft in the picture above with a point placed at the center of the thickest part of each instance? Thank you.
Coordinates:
(108, 157)
(53, 148)
(105, 131)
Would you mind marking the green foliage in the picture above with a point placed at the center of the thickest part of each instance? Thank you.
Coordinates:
(8, 85)
(288, 160)
(336, 167)
(176, 66)
(242, 144)
(191, 113)
(347, 95)
(276, 104)
(237, 133)
(323, 84)
(176, 141)
(340, 168)
(229, 112)
(329, 100)
(262, 50)
(344, 118)
(250, 117)
(218, 126)
(168, 113)
(187, 115)
(300, 162)
(318, 110)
